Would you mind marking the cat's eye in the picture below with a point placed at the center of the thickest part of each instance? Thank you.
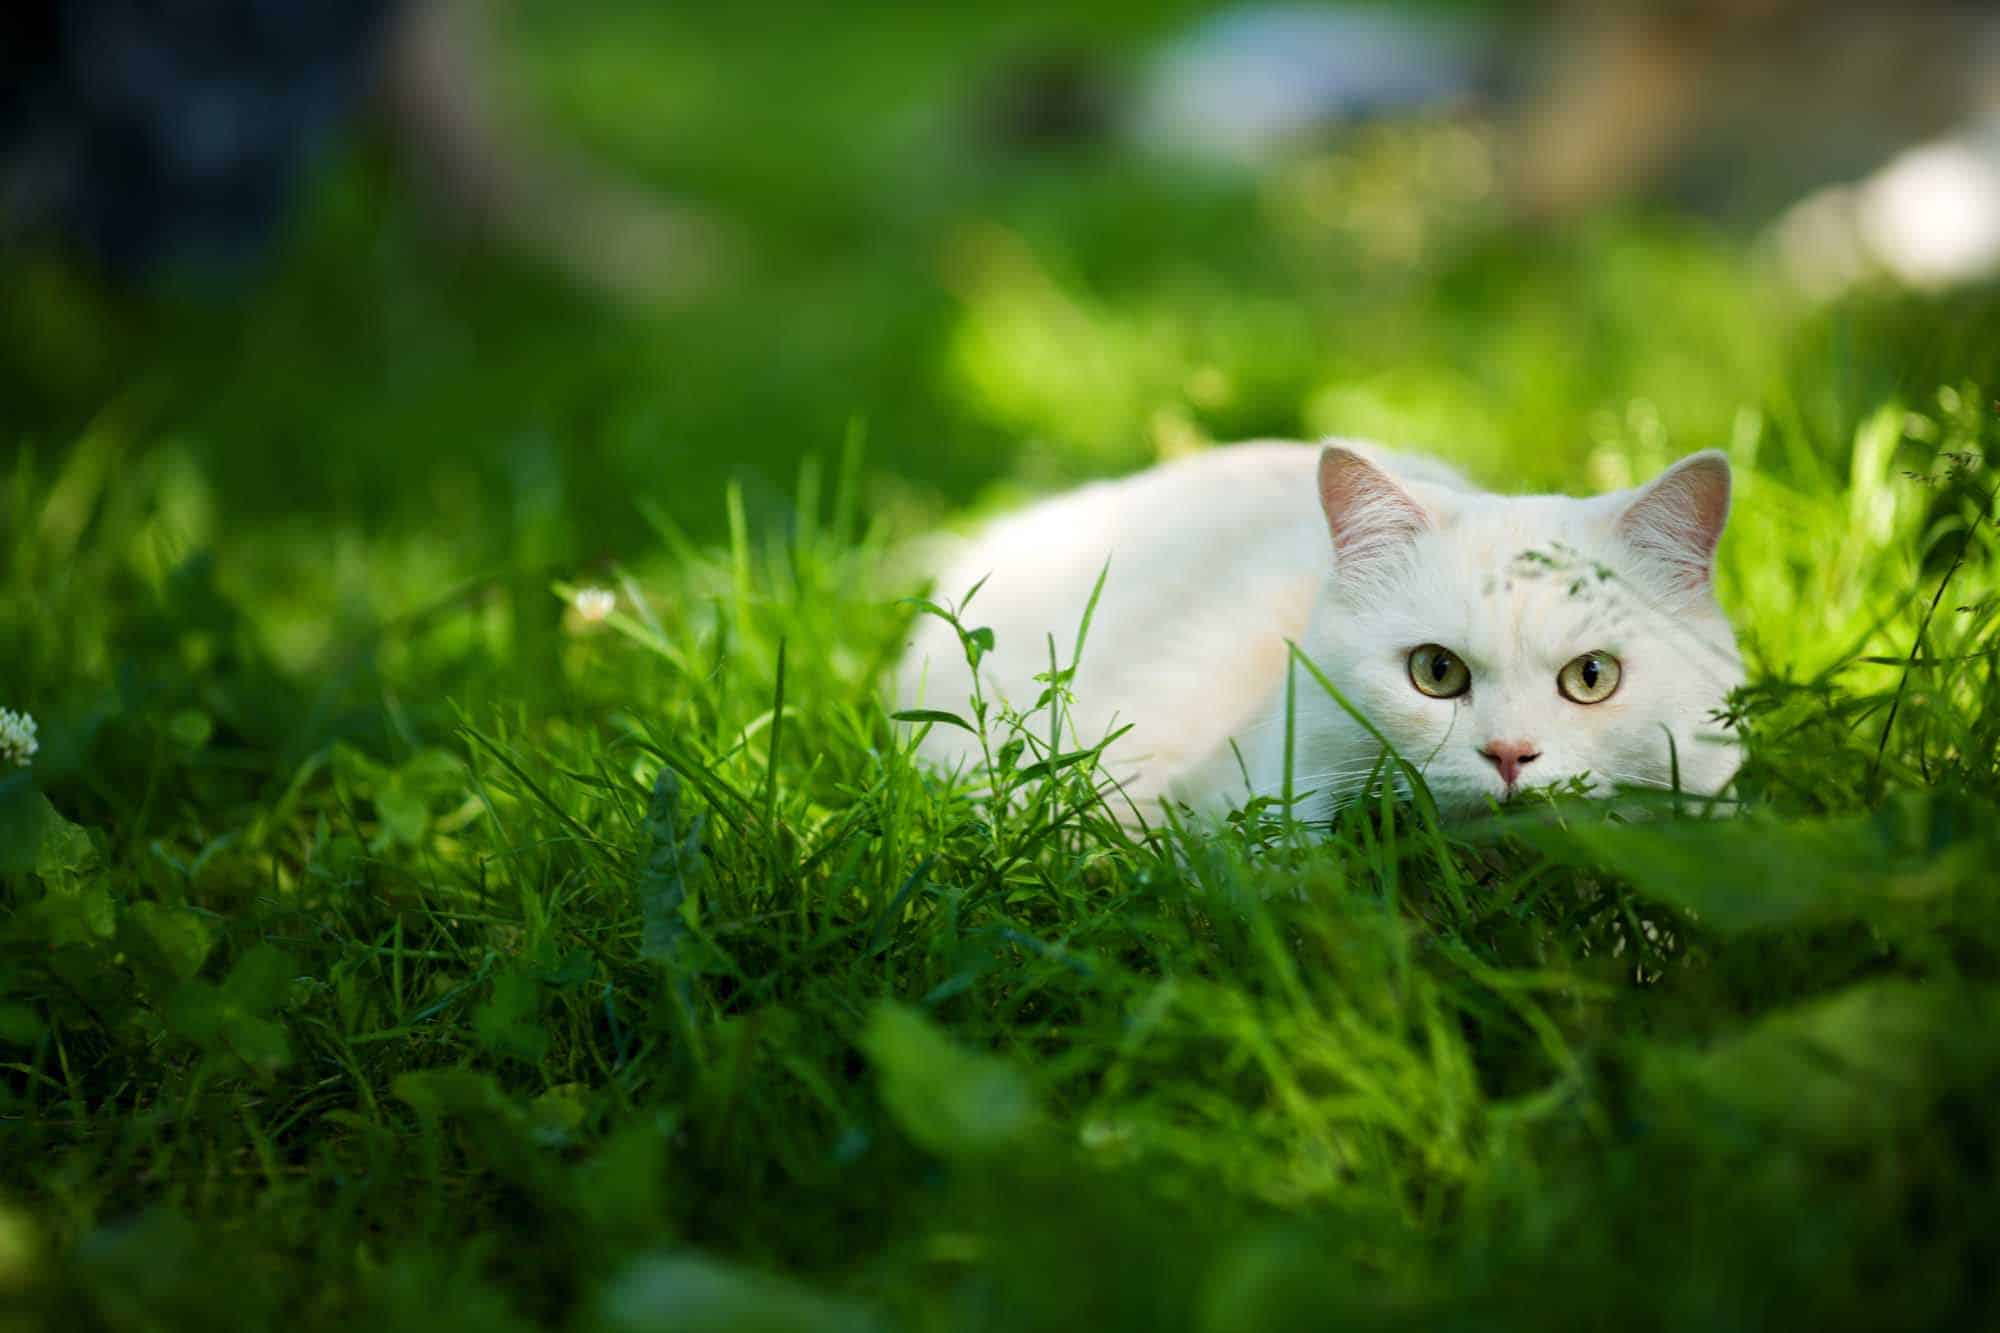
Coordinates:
(1439, 672)
(1590, 679)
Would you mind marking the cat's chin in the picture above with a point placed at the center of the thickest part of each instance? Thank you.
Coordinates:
(1574, 795)
(1625, 803)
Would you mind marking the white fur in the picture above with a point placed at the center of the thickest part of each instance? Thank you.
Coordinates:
(1218, 560)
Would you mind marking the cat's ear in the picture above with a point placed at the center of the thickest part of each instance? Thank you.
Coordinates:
(1368, 512)
(1677, 519)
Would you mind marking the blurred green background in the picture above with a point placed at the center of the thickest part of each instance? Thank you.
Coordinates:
(935, 223)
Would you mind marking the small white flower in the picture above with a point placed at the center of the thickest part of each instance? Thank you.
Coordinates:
(595, 604)
(17, 739)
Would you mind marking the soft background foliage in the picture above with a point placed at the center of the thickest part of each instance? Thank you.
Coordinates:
(385, 941)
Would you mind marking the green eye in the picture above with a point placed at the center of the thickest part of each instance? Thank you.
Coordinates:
(1439, 672)
(1590, 679)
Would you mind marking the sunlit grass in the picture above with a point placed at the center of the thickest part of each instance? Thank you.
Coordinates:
(672, 950)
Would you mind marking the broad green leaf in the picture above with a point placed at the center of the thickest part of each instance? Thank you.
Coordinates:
(231, 1021)
(673, 855)
(937, 715)
(259, 1043)
(1862, 1062)
(930, 608)
(203, 1015)
(1056, 763)
(66, 849)
(259, 980)
(21, 1251)
(557, 1113)
(509, 1022)
(622, 1185)
(451, 1092)
(401, 808)
(687, 1293)
(20, 1025)
(949, 1101)
(78, 912)
(402, 797)
(575, 968)
(1741, 874)
(177, 936)
(25, 819)
(190, 728)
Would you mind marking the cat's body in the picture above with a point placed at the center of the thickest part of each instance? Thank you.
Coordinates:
(1363, 558)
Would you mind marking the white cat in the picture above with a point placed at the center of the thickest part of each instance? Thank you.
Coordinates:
(1497, 642)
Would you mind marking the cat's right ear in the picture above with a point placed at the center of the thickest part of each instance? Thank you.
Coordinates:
(1677, 518)
(1368, 512)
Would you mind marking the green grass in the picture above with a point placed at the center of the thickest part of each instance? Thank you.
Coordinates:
(384, 944)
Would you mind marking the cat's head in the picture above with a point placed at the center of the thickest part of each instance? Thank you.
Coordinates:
(1509, 643)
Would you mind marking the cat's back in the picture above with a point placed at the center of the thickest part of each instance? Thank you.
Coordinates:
(1205, 509)
(1166, 540)
(1210, 563)
(1174, 508)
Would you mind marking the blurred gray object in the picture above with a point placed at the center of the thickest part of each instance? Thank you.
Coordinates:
(1246, 82)
(1740, 106)
(154, 132)
(1929, 218)
(1724, 107)
(172, 135)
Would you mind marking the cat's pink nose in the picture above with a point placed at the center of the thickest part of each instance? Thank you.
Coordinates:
(1510, 757)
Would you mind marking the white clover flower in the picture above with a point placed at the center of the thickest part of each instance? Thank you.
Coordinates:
(595, 604)
(17, 739)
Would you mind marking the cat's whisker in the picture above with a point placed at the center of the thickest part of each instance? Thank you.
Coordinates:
(1336, 774)
(1610, 777)
(1337, 770)
(1343, 782)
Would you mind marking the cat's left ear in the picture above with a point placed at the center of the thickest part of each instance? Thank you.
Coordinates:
(1369, 514)
(1678, 518)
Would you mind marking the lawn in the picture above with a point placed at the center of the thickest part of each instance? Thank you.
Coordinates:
(392, 938)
